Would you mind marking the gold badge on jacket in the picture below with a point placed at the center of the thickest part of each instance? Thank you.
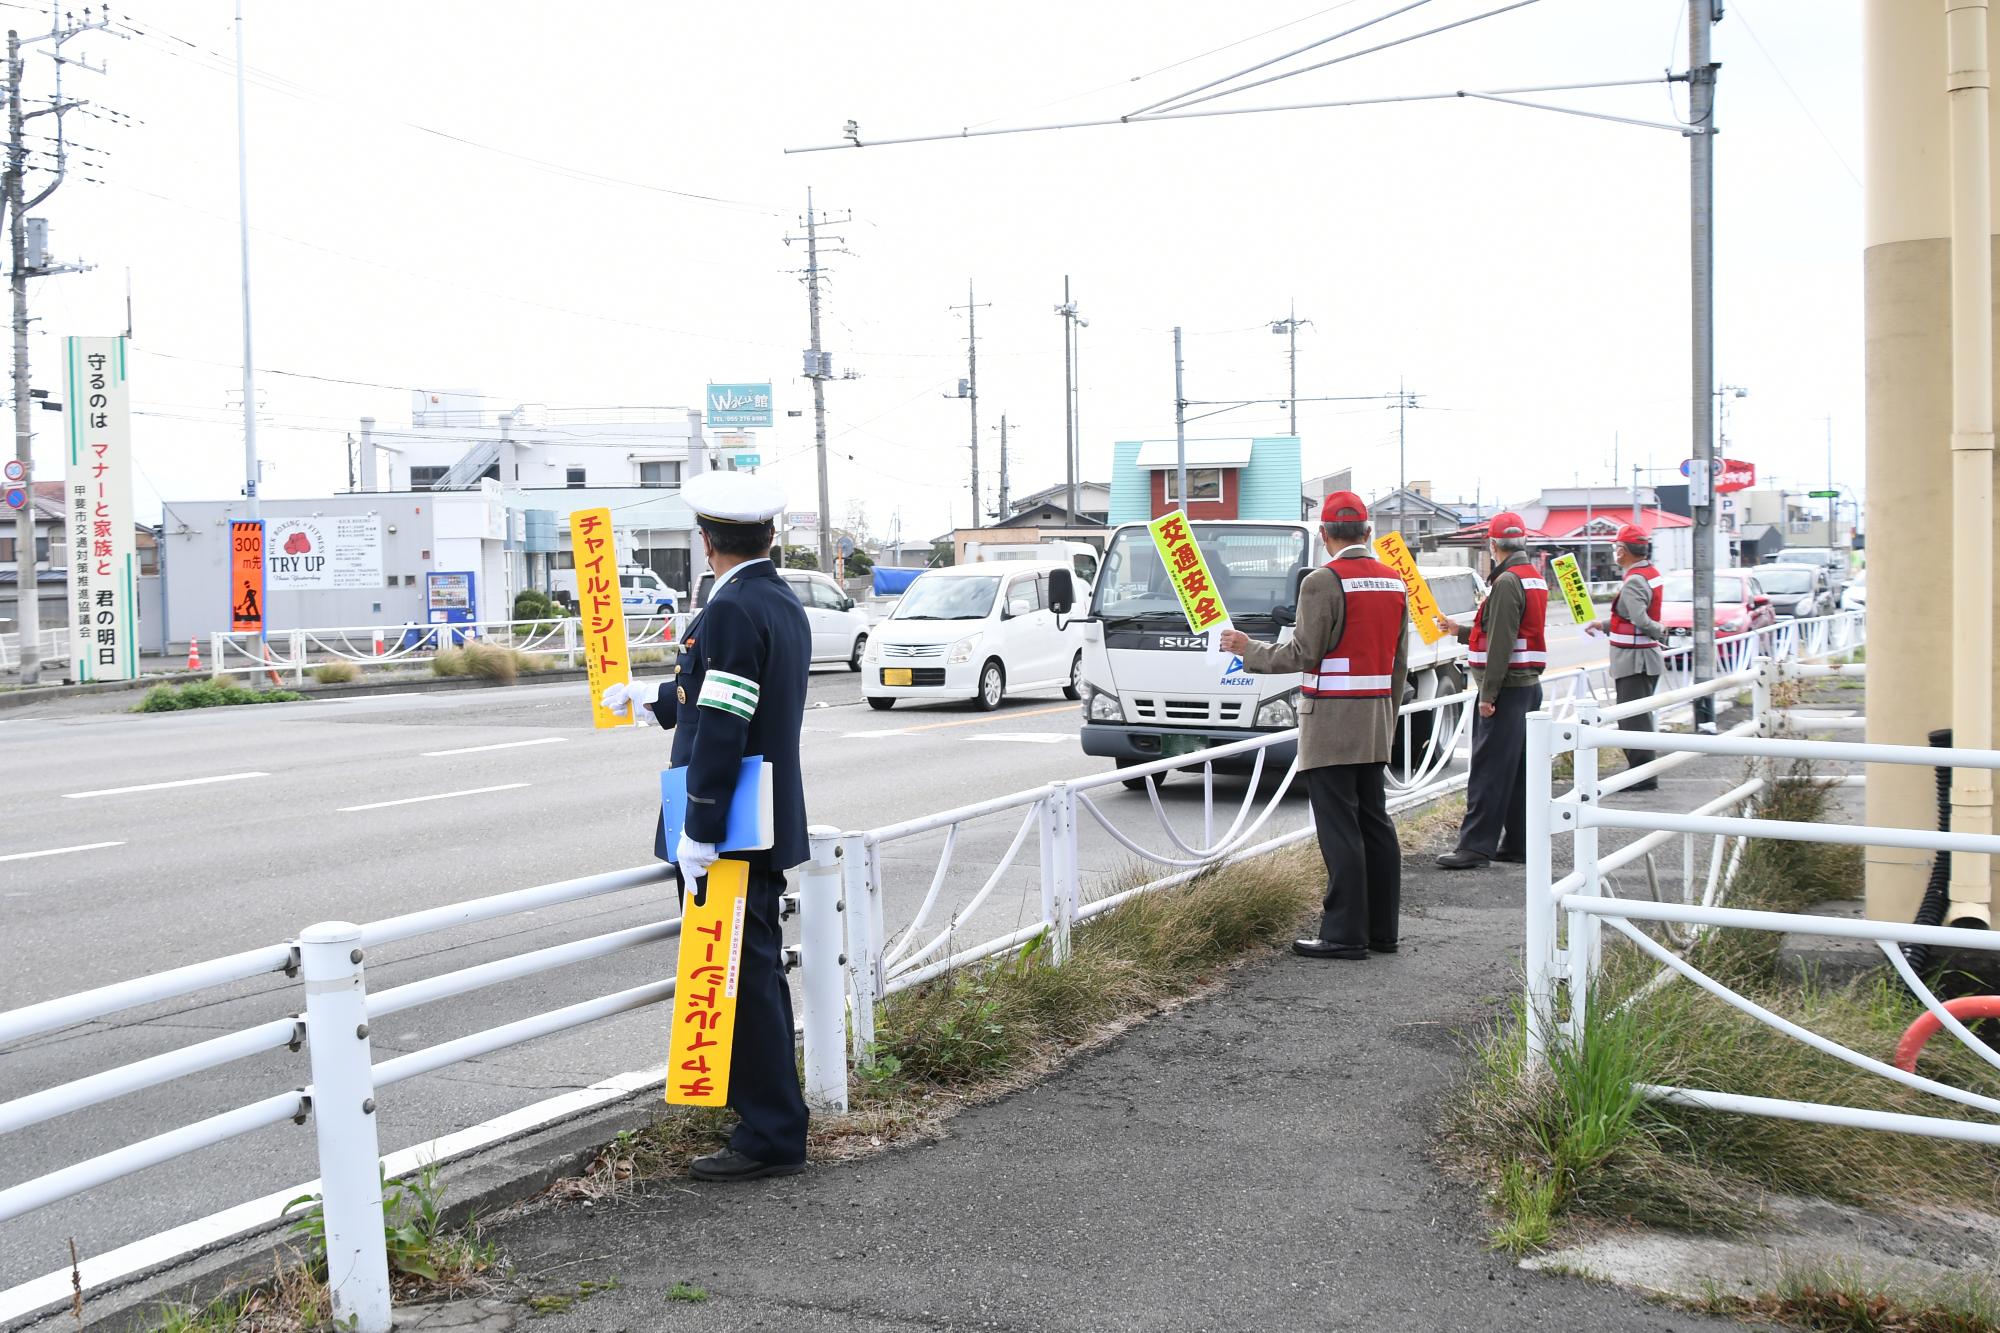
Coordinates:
(681, 695)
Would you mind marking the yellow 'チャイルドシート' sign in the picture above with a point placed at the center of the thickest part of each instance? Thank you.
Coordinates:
(705, 986)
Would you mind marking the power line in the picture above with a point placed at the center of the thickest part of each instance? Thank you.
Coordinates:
(1811, 119)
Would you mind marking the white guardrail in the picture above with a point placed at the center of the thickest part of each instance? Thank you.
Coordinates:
(1566, 916)
(298, 651)
(848, 960)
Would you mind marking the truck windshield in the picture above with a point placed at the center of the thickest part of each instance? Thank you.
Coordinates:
(965, 598)
(1252, 568)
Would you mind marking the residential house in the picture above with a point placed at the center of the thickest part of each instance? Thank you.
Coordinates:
(1258, 478)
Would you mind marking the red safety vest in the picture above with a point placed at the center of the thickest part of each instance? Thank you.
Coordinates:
(1625, 634)
(1531, 648)
(1361, 664)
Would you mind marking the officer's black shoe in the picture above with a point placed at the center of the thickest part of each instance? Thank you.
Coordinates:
(732, 1165)
(1462, 860)
(1511, 858)
(1328, 949)
(1376, 946)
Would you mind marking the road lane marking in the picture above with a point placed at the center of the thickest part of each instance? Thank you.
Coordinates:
(369, 698)
(1025, 737)
(503, 745)
(441, 796)
(162, 786)
(59, 851)
(967, 722)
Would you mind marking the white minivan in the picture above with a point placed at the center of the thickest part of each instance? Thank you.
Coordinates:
(979, 632)
(839, 627)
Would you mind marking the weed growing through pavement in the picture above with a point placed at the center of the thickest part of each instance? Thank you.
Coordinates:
(208, 694)
(1838, 1300)
(336, 673)
(686, 1291)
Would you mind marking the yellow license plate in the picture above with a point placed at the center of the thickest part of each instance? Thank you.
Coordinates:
(895, 675)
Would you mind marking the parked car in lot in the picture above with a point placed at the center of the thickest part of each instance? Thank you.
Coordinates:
(839, 627)
(979, 632)
(1854, 597)
(1797, 591)
(1740, 604)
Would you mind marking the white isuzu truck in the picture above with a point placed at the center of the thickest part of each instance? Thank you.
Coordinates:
(1151, 688)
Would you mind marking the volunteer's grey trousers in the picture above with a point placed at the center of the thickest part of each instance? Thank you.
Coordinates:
(1636, 686)
(1496, 793)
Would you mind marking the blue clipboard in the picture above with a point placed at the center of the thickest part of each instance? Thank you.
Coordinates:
(750, 819)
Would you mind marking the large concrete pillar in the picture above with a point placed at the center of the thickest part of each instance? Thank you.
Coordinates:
(1907, 277)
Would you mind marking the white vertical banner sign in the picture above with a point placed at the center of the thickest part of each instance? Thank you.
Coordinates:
(100, 552)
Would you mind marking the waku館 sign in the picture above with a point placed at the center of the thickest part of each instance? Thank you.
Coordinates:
(323, 553)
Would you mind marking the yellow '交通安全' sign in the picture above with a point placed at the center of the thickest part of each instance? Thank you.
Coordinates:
(1394, 552)
(1569, 577)
(1200, 602)
(705, 986)
(602, 611)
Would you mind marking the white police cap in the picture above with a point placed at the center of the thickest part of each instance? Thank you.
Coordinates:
(733, 497)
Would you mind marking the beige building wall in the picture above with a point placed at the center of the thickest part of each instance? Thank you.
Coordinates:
(1906, 268)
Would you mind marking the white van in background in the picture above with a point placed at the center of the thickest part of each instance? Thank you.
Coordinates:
(980, 632)
(839, 627)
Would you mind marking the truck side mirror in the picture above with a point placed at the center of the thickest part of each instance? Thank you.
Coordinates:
(1062, 591)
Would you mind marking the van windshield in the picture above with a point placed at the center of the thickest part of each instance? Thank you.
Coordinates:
(1252, 568)
(1785, 581)
(966, 598)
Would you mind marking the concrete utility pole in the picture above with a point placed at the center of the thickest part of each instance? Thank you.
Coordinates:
(1003, 466)
(1701, 231)
(971, 394)
(1290, 325)
(1180, 427)
(1071, 417)
(27, 591)
(819, 369)
(250, 468)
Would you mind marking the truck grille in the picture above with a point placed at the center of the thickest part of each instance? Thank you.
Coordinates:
(1206, 712)
(913, 650)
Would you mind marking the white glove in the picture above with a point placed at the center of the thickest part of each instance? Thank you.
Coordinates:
(694, 858)
(634, 696)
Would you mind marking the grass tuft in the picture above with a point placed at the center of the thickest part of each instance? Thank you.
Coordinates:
(1838, 1300)
(336, 673)
(208, 694)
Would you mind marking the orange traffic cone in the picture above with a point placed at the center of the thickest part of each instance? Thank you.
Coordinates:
(194, 655)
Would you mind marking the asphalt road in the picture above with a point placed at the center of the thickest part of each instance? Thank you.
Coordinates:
(172, 838)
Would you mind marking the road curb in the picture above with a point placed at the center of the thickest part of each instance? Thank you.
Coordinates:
(22, 698)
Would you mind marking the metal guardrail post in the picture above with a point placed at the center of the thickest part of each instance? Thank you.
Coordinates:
(1760, 695)
(570, 646)
(1058, 864)
(1540, 960)
(343, 1110)
(1584, 939)
(864, 946)
(820, 962)
(215, 664)
(298, 656)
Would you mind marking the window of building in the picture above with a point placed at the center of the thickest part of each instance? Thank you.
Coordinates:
(573, 478)
(42, 550)
(564, 559)
(660, 474)
(7, 548)
(1204, 483)
(426, 478)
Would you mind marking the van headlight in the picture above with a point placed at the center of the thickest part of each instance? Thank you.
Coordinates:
(873, 653)
(1101, 705)
(961, 652)
(1280, 712)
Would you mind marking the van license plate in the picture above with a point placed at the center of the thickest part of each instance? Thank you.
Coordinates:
(895, 675)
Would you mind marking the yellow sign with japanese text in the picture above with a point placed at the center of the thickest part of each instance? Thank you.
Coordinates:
(602, 611)
(705, 986)
(1569, 578)
(1394, 552)
(1200, 602)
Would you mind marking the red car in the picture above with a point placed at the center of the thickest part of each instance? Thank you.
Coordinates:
(1739, 603)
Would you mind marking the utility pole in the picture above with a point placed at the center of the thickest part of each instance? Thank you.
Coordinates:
(1701, 232)
(1290, 325)
(27, 589)
(1072, 424)
(250, 468)
(1635, 495)
(1402, 469)
(1831, 499)
(971, 390)
(819, 369)
(1003, 466)
(1180, 427)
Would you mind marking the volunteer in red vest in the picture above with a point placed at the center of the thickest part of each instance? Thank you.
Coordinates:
(1350, 649)
(1509, 651)
(1636, 635)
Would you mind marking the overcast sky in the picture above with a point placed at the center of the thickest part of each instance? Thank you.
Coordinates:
(1525, 272)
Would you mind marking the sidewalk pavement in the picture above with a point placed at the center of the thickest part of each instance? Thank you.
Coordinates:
(1258, 1159)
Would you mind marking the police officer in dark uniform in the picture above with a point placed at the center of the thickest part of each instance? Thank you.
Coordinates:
(739, 689)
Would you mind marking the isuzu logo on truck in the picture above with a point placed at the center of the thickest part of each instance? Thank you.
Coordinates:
(1183, 641)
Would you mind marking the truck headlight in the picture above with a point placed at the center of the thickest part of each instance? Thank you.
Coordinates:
(1101, 706)
(961, 652)
(1280, 712)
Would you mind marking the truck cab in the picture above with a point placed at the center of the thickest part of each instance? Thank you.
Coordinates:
(1151, 688)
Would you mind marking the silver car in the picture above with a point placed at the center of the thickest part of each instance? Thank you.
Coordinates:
(1797, 591)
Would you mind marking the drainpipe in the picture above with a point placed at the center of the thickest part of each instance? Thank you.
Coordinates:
(1968, 81)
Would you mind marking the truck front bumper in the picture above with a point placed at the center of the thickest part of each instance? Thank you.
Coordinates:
(1138, 745)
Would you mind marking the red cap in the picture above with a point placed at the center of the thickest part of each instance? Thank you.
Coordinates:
(1633, 536)
(1506, 523)
(1343, 507)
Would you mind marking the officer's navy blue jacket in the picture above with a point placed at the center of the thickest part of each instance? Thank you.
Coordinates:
(741, 690)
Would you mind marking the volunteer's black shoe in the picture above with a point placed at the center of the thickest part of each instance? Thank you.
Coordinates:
(1650, 784)
(1328, 949)
(1511, 858)
(1462, 860)
(1376, 946)
(732, 1165)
